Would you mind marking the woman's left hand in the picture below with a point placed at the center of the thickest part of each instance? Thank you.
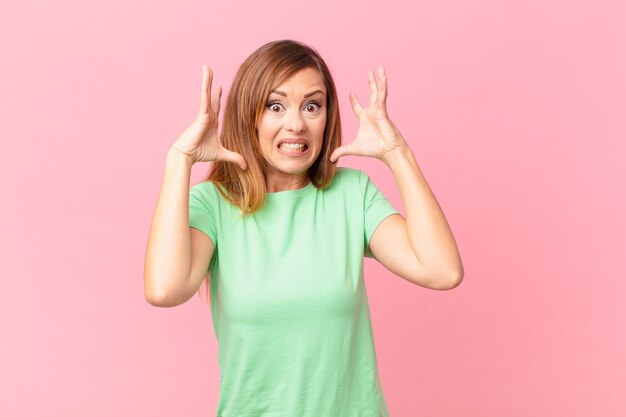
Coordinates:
(377, 135)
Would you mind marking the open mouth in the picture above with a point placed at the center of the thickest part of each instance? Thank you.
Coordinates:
(293, 149)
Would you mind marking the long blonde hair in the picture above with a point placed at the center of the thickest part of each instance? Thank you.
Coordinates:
(265, 69)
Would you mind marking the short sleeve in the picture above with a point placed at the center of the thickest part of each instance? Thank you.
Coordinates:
(201, 213)
(376, 208)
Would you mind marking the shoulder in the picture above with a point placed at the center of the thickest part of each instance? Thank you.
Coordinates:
(351, 176)
(353, 179)
(347, 171)
(203, 187)
(205, 192)
(345, 179)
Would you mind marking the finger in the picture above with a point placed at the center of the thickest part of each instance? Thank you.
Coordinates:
(215, 101)
(210, 81)
(337, 153)
(235, 157)
(204, 99)
(344, 150)
(373, 88)
(356, 106)
(382, 92)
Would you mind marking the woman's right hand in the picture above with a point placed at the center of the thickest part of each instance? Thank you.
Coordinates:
(200, 139)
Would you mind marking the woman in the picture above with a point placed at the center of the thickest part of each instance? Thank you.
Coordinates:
(279, 233)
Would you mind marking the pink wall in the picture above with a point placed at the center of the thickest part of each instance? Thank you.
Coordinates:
(515, 113)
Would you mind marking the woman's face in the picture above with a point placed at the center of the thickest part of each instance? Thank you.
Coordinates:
(295, 112)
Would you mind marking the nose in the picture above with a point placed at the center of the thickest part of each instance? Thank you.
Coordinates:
(294, 121)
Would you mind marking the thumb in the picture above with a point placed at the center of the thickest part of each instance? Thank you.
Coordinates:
(341, 151)
(234, 157)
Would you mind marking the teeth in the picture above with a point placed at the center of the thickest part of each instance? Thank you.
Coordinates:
(292, 146)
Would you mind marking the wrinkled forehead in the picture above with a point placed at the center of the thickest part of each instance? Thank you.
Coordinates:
(302, 81)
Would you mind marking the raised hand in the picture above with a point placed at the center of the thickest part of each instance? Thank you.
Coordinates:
(200, 140)
(377, 135)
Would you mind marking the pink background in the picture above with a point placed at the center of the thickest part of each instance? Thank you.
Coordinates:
(514, 111)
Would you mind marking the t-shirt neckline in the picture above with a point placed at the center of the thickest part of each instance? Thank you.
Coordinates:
(288, 194)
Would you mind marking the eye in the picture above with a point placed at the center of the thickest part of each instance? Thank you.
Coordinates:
(272, 105)
(315, 104)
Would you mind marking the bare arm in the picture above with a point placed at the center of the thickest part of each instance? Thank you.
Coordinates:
(171, 274)
(420, 248)
(177, 257)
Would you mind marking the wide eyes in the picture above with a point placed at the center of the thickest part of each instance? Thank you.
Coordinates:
(275, 106)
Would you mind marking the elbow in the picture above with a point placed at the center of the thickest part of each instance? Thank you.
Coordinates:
(446, 282)
(439, 280)
(155, 296)
(455, 279)
(153, 300)
(161, 300)
(161, 297)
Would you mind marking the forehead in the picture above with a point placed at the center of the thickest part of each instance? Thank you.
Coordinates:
(302, 82)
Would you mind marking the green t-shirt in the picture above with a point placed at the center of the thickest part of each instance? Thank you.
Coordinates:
(288, 299)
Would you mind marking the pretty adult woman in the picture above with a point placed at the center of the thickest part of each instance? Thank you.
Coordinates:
(279, 233)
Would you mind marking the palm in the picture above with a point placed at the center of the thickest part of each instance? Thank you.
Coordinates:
(376, 134)
(200, 139)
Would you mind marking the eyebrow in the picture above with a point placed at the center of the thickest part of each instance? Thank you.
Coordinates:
(282, 93)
